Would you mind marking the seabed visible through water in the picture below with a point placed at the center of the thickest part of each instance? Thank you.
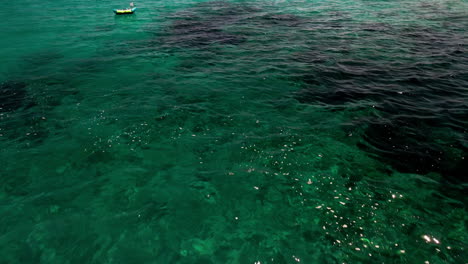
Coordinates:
(234, 132)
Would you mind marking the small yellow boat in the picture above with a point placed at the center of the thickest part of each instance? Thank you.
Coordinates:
(127, 11)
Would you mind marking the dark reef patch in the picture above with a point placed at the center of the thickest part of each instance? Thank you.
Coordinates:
(12, 96)
(25, 105)
(410, 148)
(199, 33)
(203, 25)
(418, 90)
(272, 19)
(215, 23)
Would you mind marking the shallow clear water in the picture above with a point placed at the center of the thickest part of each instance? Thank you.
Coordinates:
(234, 132)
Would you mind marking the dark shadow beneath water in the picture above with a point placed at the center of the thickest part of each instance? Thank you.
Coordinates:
(203, 25)
(12, 96)
(418, 92)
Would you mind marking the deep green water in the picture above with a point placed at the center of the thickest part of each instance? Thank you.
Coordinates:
(234, 132)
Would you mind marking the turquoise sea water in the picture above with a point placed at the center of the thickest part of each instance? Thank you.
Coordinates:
(234, 132)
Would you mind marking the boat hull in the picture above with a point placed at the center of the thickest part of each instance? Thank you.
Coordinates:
(124, 11)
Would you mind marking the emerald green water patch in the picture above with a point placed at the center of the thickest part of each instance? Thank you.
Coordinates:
(234, 132)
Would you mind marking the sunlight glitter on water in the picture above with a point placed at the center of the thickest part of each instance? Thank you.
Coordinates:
(234, 132)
